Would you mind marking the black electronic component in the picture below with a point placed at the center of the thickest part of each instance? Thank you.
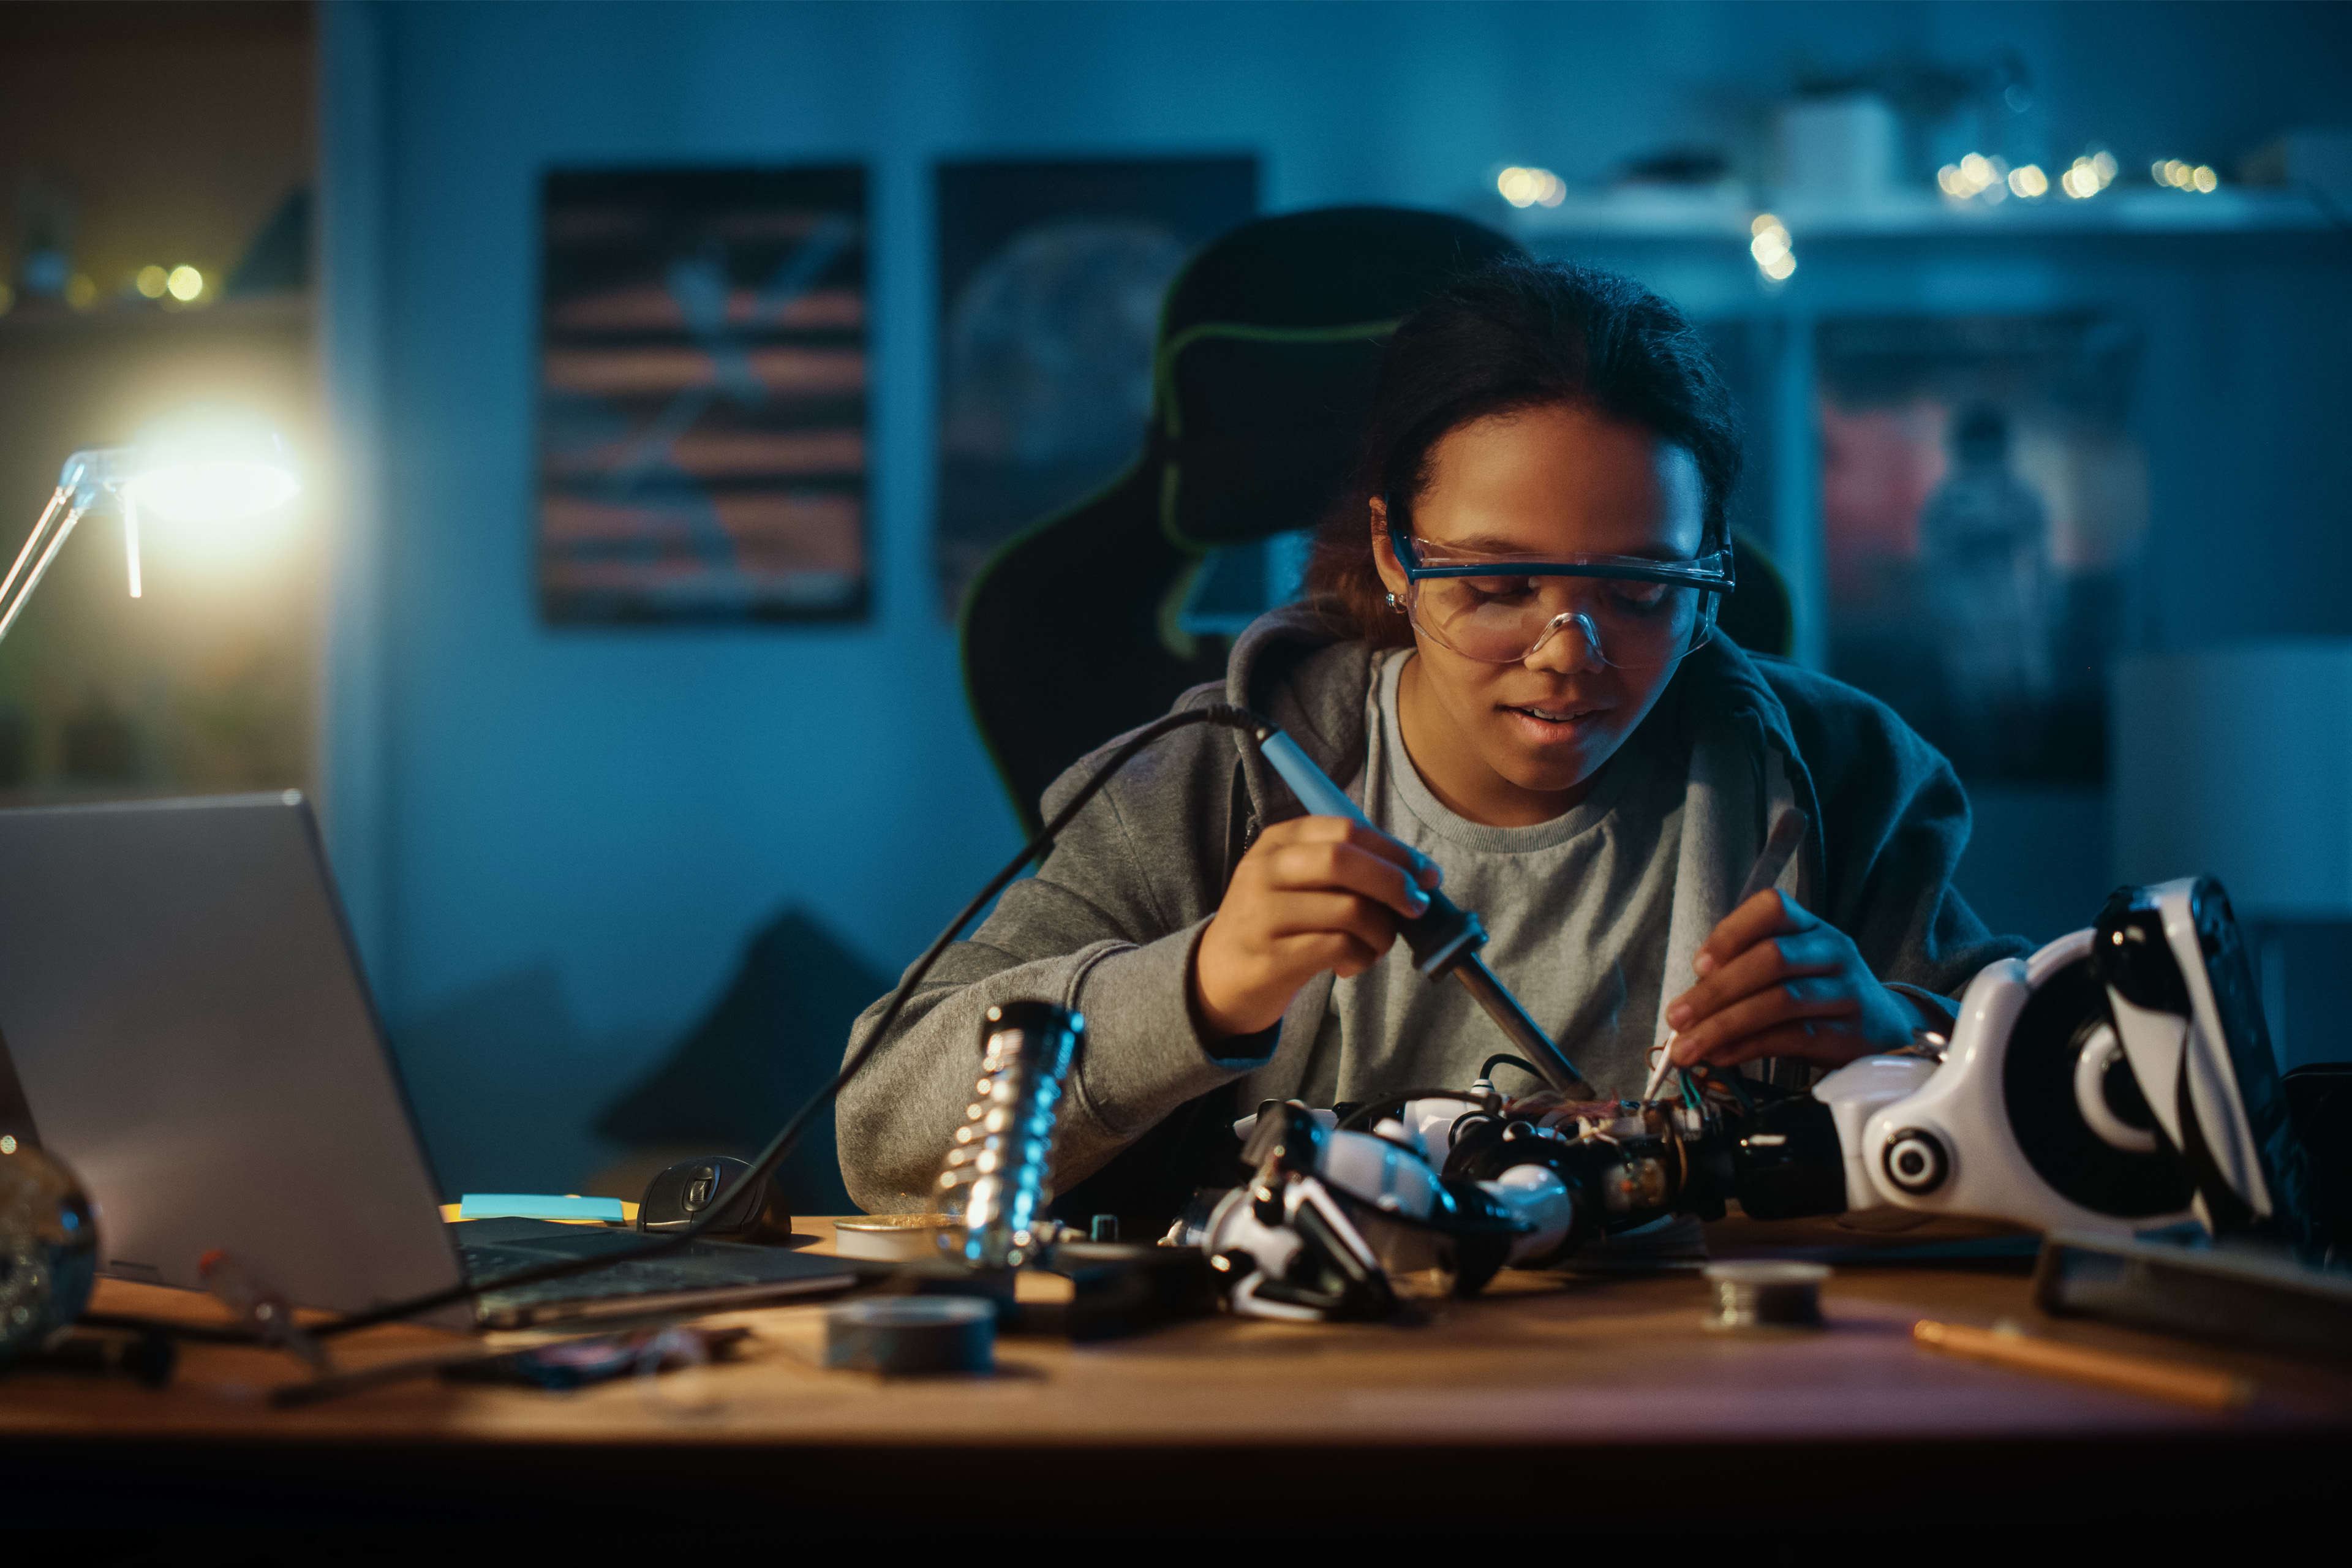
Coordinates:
(1787, 1163)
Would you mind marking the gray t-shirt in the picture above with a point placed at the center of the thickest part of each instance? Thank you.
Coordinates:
(1577, 909)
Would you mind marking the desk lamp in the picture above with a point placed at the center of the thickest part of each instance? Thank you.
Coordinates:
(195, 468)
(202, 466)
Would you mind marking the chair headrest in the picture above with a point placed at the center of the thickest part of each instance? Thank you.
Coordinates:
(1269, 348)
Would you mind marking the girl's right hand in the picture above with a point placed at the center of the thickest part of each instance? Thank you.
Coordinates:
(1313, 893)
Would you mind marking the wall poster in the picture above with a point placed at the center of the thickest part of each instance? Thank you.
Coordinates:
(702, 450)
(1983, 503)
(1050, 275)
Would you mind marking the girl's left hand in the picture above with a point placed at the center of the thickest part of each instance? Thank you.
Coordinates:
(1775, 980)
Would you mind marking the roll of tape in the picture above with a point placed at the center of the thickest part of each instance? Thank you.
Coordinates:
(902, 1334)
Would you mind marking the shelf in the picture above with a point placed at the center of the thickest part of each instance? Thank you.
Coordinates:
(121, 318)
(1671, 214)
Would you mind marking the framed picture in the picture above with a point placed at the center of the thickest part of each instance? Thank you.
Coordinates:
(702, 448)
(1051, 277)
(1983, 503)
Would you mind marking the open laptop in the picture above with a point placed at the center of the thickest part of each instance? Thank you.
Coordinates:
(184, 1023)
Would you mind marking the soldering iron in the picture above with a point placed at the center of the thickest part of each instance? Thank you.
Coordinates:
(1445, 939)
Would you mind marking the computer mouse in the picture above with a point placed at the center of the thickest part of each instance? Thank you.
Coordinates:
(681, 1194)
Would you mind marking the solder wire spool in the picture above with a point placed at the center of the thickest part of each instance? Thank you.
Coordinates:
(1765, 1297)
(902, 1335)
(997, 1181)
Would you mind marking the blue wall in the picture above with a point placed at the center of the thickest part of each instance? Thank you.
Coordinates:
(554, 843)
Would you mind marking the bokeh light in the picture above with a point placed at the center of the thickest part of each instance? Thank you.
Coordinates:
(1531, 187)
(2027, 180)
(1978, 176)
(1769, 243)
(81, 291)
(184, 282)
(2197, 178)
(2089, 174)
(151, 281)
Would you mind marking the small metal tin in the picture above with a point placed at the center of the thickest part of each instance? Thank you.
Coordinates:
(908, 1335)
(891, 1237)
(1765, 1297)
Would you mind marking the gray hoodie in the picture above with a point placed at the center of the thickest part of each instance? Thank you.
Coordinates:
(1109, 923)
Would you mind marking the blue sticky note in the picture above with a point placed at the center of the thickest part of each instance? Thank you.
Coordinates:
(537, 1205)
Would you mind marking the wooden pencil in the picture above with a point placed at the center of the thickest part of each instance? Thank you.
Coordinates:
(2138, 1374)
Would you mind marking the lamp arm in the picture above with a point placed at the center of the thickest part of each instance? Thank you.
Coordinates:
(32, 541)
(131, 537)
(64, 532)
(88, 477)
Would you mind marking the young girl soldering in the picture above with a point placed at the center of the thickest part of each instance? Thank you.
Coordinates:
(1508, 656)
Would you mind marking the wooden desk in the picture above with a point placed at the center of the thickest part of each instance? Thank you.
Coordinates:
(1582, 1389)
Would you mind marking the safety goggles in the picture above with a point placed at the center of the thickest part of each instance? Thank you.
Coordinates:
(1632, 613)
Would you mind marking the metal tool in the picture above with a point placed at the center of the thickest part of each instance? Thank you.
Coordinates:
(1789, 830)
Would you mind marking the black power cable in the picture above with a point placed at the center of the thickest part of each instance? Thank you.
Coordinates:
(1221, 714)
(1504, 1058)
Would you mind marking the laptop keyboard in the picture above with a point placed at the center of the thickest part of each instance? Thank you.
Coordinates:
(511, 1246)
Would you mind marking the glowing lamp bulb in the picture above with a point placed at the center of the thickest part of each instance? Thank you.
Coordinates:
(208, 467)
(212, 491)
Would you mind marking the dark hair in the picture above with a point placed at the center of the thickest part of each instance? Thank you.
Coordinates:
(1517, 334)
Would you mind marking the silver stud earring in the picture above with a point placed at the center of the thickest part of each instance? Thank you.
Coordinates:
(1392, 601)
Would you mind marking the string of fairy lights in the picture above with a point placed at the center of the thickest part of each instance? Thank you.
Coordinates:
(1978, 179)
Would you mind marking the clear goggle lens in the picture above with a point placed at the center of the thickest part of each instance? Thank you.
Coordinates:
(1504, 616)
